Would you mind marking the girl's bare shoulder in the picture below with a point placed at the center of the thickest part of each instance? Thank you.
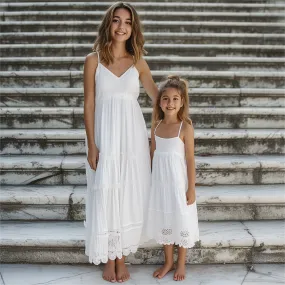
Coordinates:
(155, 124)
(187, 129)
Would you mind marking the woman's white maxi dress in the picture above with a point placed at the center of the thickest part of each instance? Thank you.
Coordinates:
(170, 220)
(116, 191)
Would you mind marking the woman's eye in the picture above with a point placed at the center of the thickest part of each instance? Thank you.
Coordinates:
(115, 21)
(128, 23)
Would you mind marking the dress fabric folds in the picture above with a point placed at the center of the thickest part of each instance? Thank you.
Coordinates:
(118, 189)
(170, 220)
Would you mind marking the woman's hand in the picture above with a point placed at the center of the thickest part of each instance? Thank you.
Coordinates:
(190, 197)
(93, 157)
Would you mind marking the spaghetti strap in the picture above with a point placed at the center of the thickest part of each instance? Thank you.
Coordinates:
(98, 57)
(180, 129)
(157, 126)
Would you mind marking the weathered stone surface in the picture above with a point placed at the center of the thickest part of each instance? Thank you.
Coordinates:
(66, 117)
(155, 63)
(207, 141)
(214, 203)
(75, 49)
(144, 6)
(231, 53)
(196, 79)
(230, 242)
(211, 170)
(144, 15)
(199, 97)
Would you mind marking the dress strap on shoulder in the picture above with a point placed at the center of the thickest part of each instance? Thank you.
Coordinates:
(180, 129)
(157, 126)
(98, 57)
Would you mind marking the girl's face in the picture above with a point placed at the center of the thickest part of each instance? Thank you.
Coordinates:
(121, 28)
(170, 102)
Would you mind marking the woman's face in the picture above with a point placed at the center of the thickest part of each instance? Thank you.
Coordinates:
(121, 28)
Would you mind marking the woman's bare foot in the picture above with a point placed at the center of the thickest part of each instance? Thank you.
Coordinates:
(122, 272)
(179, 273)
(109, 273)
(160, 272)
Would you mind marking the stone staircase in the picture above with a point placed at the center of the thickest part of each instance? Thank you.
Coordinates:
(232, 53)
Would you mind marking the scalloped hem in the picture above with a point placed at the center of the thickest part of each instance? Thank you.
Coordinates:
(112, 256)
(180, 244)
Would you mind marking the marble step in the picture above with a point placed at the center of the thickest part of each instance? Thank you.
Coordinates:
(216, 203)
(155, 63)
(217, 50)
(220, 242)
(207, 141)
(196, 79)
(211, 170)
(199, 97)
(72, 117)
(150, 37)
(145, 6)
(229, 274)
(144, 15)
(166, 1)
(149, 26)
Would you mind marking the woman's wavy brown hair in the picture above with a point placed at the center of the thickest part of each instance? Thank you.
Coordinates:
(179, 84)
(134, 44)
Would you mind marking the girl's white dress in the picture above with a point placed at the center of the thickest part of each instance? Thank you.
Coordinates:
(170, 220)
(116, 191)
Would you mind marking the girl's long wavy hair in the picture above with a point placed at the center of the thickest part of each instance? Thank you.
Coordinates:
(182, 86)
(134, 44)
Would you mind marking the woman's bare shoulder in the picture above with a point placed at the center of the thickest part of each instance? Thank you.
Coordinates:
(92, 59)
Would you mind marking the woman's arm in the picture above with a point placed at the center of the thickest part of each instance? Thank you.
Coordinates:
(90, 65)
(146, 79)
(152, 142)
(188, 132)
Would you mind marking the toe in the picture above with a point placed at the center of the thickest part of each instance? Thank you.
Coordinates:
(155, 273)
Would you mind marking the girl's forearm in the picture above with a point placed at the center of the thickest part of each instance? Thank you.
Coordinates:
(191, 173)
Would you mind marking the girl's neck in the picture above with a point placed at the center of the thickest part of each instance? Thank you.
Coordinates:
(170, 120)
(119, 50)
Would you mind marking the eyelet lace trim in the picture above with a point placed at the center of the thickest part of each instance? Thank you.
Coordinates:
(185, 240)
(113, 251)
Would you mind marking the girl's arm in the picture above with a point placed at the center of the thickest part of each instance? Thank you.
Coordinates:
(146, 79)
(190, 161)
(90, 65)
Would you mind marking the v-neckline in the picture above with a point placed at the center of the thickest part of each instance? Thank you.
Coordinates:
(118, 77)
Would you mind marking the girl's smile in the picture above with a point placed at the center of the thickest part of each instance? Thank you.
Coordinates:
(171, 101)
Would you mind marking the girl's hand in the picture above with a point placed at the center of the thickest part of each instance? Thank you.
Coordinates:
(190, 197)
(93, 157)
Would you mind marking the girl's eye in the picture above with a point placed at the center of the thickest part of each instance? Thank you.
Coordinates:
(115, 20)
(128, 23)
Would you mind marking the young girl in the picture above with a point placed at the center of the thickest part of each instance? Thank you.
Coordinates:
(172, 212)
(117, 141)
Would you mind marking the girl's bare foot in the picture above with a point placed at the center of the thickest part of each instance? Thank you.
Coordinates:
(179, 273)
(109, 273)
(160, 272)
(122, 272)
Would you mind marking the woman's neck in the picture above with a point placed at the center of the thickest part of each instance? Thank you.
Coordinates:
(119, 50)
